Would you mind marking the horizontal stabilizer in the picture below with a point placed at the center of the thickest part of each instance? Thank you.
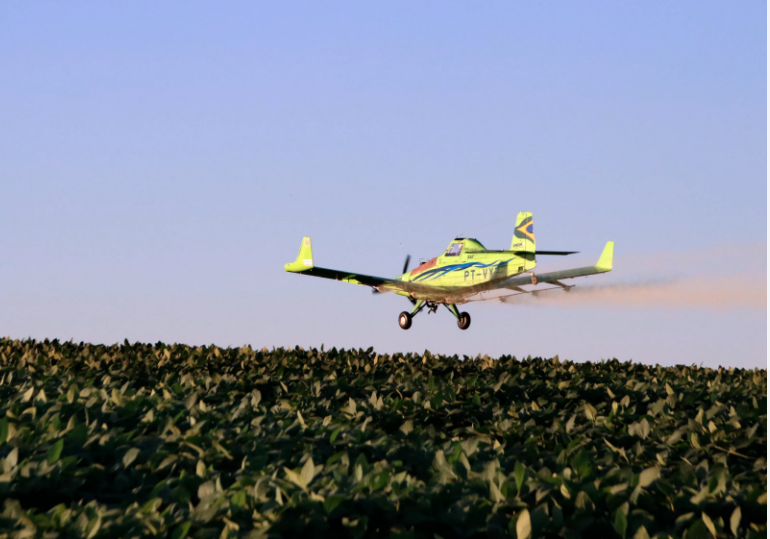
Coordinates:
(560, 253)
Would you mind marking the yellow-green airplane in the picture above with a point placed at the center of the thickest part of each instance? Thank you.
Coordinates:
(464, 270)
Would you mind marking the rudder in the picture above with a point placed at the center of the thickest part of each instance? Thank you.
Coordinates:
(523, 233)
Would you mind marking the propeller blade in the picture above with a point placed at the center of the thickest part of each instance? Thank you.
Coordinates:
(406, 268)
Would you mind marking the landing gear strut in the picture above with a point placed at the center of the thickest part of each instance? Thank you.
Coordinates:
(463, 319)
(405, 318)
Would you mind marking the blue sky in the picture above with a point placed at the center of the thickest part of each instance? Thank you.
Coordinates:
(160, 163)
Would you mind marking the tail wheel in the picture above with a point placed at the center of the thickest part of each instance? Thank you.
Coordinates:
(405, 320)
(464, 322)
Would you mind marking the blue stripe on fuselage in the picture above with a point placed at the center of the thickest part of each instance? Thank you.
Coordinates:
(438, 272)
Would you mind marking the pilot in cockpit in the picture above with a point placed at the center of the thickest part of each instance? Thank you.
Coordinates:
(454, 249)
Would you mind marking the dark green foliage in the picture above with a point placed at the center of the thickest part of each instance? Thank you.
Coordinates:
(175, 441)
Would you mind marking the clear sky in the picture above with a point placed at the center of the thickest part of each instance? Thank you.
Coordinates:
(160, 162)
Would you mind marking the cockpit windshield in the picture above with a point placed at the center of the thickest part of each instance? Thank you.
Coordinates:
(454, 249)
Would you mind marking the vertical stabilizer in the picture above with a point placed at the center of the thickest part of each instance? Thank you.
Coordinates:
(523, 233)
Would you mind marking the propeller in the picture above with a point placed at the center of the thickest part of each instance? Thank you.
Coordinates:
(406, 268)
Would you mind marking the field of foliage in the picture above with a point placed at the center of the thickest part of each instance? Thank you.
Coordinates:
(139, 440)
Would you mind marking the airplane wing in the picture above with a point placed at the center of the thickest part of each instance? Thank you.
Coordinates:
(602, 266)
(304, 265)
(459, 294)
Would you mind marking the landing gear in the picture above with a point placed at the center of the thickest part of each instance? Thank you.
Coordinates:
(405, 320)
(464, 322)
(463, 319)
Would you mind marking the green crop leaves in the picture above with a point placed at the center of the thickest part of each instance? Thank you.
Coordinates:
(178, 441)
(523, 526)
(55, 452)
(621, 521)
(130, 456)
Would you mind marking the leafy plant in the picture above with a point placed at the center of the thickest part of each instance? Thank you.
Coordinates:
(179, 441)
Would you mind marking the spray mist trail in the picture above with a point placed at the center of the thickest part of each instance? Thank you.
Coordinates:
(745, 291)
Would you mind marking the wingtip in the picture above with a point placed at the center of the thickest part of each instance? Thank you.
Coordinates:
(605, 260)
(304, 259)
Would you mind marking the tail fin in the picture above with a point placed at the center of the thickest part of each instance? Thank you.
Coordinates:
(524, 233)
(304, 259)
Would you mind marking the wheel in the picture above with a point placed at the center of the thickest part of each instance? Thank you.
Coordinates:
(464, 322)
(405, 320)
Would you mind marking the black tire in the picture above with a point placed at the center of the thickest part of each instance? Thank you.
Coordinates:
(464, 322)
(405, 320)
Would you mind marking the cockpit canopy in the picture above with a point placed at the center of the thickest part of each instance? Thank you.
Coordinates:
(456, 247)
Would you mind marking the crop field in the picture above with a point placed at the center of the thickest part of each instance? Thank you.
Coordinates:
(139, 440)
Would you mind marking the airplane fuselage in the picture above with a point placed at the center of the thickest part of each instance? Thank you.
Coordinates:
(467, 263)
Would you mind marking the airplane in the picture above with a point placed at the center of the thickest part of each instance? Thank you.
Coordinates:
(464, 270)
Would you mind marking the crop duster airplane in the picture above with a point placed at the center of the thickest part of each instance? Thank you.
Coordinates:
(464, 270)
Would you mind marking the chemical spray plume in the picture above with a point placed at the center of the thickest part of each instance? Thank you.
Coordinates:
(741, 291)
